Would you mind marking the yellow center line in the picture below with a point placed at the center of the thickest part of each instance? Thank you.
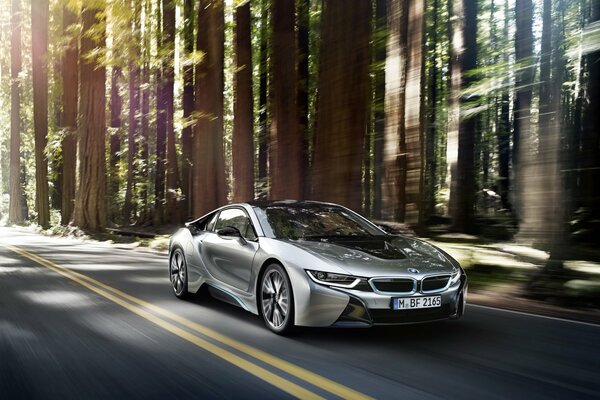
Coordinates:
(276, 362)
(267, 376)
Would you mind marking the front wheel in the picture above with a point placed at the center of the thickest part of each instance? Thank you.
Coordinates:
(277, 300)
(178, 274)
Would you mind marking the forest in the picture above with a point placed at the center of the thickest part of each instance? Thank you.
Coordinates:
(479, 115)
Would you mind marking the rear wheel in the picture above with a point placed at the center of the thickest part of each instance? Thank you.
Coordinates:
(178, 274)
(276, 300)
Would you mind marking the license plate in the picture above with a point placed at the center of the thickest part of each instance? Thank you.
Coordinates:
(410, 303)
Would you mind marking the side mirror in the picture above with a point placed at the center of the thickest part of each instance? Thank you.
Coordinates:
(231, 232)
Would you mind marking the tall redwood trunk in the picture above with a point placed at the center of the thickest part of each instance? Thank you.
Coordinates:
(172, 212)
(116, 103)
(161, 127)
(243, 145)
(209, 165)
(303, 9)
(15, 211)
(394, 143)
(70, 78)
(413, 114)
(263, 131)
(286, 144)
(378, 104)
(134, 106)
(188, 108)
(431, 150)
(344, 85)
(590, 163)
(145, 116)
(90, 202)
(523, 97)
(39, 53)
(503, 135)
(463, 186)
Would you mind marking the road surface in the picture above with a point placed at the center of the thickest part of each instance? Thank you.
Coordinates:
(86, 320)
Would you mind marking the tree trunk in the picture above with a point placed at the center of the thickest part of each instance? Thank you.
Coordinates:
(303, 7)
(463, 181)
(15, 212)
(286, 144)
(209, 164)
(456, 38)
(378, 104)
(243, 146)
(431, 148)
(161, 126)
(503, 130)
(39, 52)
(590, 157)
(413, 114)
(523, 95)
(116, 103)
(188, 108)
(70, 78)
(134, 105)
(145, 114)
(263, 132)
(342, 117)
(90, 202)
(394, 152)
(172, 213)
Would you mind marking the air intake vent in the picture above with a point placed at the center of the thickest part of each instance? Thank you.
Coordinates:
(394, 285)
(434, 283)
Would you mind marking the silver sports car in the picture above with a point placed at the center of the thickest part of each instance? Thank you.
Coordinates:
(306, 263)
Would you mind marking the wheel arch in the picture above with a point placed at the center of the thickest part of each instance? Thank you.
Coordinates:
(261, 272)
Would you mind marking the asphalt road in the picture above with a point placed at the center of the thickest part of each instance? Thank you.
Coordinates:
(87, 320)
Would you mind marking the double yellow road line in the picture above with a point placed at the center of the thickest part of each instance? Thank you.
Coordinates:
(150, 311)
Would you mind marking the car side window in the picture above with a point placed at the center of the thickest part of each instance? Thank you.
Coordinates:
(237, 218)
(211, 224)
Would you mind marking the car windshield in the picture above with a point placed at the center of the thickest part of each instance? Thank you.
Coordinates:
(313, 222)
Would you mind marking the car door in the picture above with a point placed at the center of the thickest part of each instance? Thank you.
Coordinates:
(229, 259)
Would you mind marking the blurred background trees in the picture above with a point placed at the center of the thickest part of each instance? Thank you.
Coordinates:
(478, 116)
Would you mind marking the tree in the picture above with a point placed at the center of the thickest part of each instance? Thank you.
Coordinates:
(134, 106)
(430, 144)
(15, 213)
(302, 100)
(70, 75)
(503, 124)
(590, 175)
(188, 108)
(90, 202)
(263, 130)
(209, 185)
(414, 114)
(522, 98)
(286, 143)
(243, 146)
(116, 103)
(463, 181)
(342, 113)
(172, 182)
(394, 151)
(39, 51)
(379, 47)
(161, 123)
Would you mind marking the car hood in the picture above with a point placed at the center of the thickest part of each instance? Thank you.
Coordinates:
(379, 256)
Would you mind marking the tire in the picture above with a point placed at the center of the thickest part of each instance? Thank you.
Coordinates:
(178, 274)
(276, 300)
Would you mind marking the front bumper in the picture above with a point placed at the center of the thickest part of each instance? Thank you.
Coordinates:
(337, 307)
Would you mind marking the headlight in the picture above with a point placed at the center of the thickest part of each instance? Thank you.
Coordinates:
(331, 279)
(455, 277)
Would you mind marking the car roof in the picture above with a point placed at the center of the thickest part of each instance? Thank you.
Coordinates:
(289, 203)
